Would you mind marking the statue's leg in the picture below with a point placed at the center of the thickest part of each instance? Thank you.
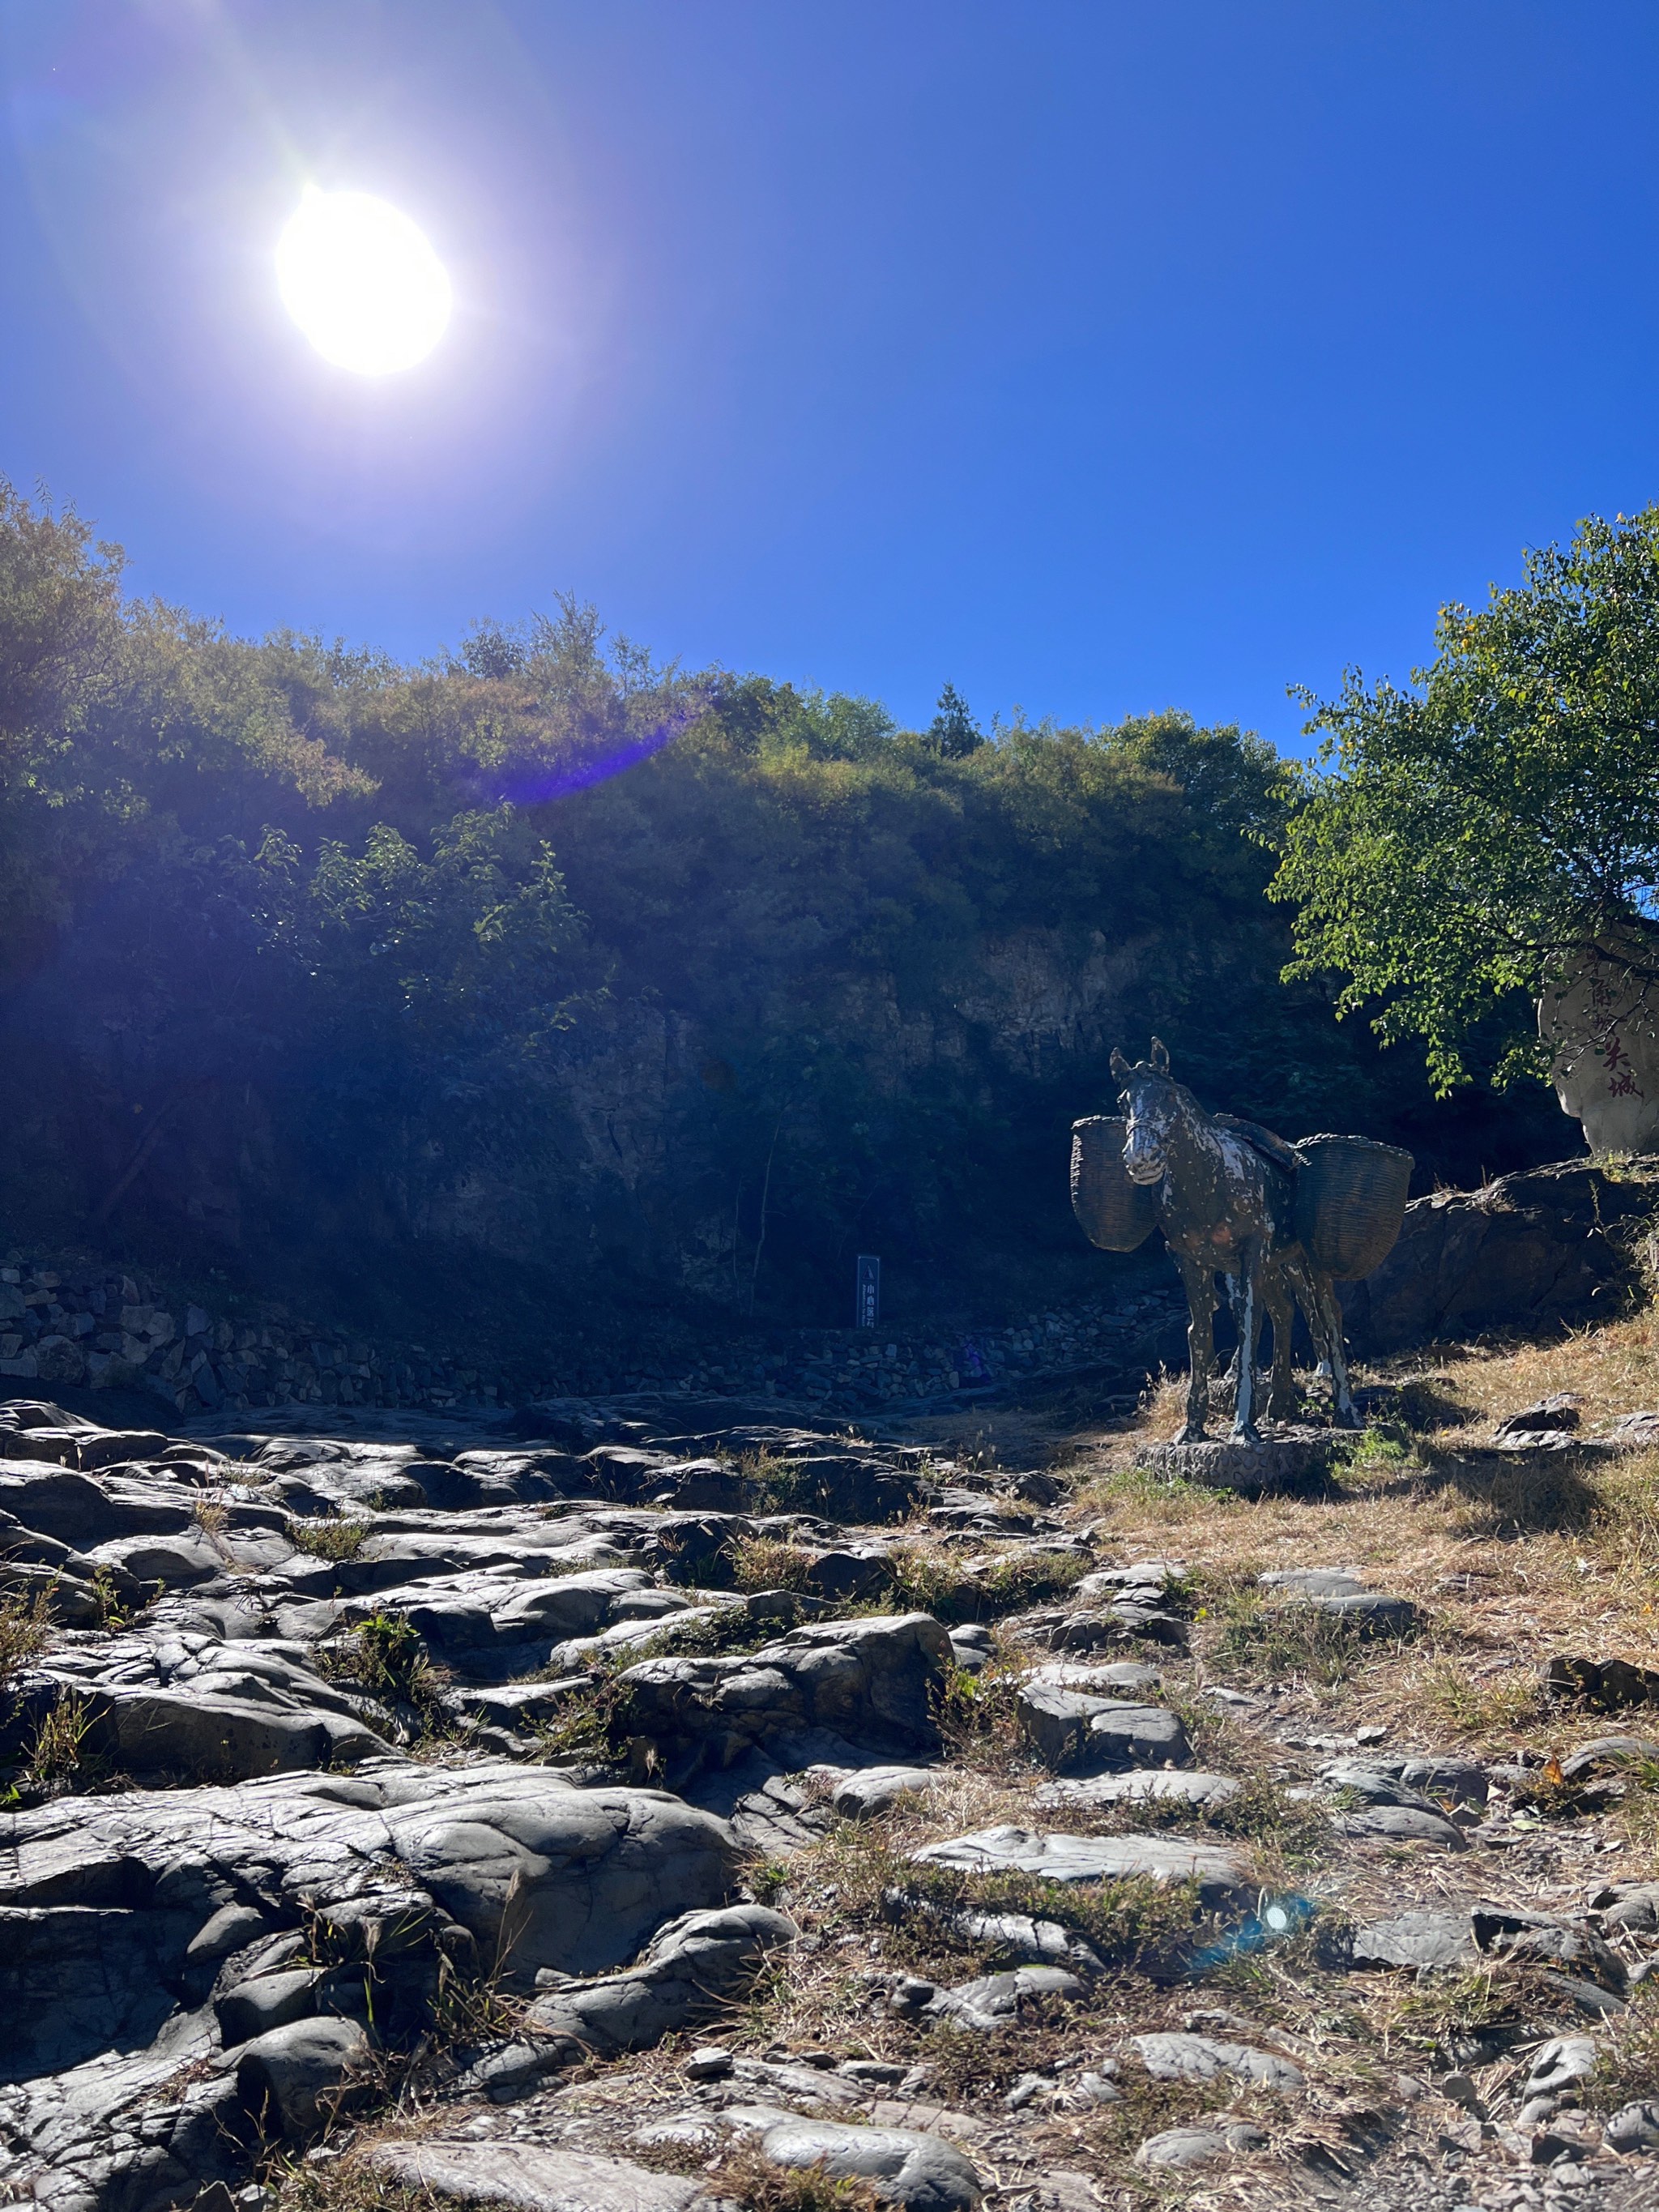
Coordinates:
(1346, 1418)
(1249, 1278)
(1200, 1285)
(1317, 1294)
(1276, 1297)
(1263, 1312)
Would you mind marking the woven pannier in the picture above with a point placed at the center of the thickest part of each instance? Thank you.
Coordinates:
(1116, 1214)
(1350, 1201)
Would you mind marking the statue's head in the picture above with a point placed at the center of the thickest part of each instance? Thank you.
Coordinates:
(1150, 1099)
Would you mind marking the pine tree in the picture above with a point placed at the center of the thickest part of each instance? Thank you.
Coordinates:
(954, 732)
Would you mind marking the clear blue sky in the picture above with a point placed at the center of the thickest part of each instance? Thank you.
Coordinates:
(1098, 357)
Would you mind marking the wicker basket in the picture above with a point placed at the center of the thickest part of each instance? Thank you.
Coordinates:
(1349, 1200)
(1116, 1214)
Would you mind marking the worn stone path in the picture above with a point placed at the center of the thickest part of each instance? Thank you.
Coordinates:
(565, 1821)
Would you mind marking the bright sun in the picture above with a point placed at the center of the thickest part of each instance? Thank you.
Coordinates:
(362, 282)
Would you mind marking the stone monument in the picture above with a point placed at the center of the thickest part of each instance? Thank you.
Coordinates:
(1598, 1017)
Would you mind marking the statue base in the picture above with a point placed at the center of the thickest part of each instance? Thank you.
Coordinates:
(1285, 1459)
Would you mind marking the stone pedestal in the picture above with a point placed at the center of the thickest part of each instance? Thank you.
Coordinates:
(1285, 1459)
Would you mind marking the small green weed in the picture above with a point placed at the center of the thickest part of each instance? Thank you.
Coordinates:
(769, 1881)
(113, 1613)
(1501, 1704)
(329, 1537)
(392, 1660)
(971, 1708)
(596, 1725)
(1374, 1451)
(54, 1757)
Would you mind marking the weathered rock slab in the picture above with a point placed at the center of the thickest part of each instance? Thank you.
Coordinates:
(1182, 2057)
(1551, 1241)
(867, 1681)
(1221, 1874)
(531, 2177)
(537, 1872)
(1179, 2147)
(1432, 1938)
(921, 2171)
(996, 1998)
(1157, 1785)
(1069, 1728)
(692, 1966)
(871, 1790)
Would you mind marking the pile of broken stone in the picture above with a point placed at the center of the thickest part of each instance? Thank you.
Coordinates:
(267, 1909)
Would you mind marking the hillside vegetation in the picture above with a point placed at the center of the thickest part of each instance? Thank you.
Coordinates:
(554, 971)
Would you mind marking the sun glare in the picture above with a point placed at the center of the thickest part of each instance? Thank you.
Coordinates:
(362, 282)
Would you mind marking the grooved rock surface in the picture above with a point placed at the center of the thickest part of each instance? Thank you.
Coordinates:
(516, 1857)
(691, 1966)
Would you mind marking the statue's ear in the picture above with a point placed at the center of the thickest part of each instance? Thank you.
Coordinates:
(1160, 1057)
(1119, 1066)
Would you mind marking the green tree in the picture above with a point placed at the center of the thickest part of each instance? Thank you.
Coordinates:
(1464, 843)
(953, 731)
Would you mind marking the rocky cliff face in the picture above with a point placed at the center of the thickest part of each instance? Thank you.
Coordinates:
(662, 1133)
(651, 1176)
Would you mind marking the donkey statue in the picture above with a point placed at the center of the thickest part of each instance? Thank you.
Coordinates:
(1226, 1206)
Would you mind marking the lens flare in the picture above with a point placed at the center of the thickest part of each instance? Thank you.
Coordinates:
(362, 282)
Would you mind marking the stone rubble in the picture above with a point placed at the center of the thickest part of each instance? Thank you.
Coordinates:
(102, 1329)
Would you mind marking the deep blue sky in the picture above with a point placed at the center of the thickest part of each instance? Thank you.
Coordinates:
(1098, 357)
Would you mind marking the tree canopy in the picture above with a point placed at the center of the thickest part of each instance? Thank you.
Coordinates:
(1458, 841)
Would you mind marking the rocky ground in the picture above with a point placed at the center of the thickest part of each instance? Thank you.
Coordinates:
(602, 1807)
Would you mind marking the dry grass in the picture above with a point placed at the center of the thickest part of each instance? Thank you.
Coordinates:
(1513, 1556)
(25, 1630)
(768, 1563)
(1613, 1369)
